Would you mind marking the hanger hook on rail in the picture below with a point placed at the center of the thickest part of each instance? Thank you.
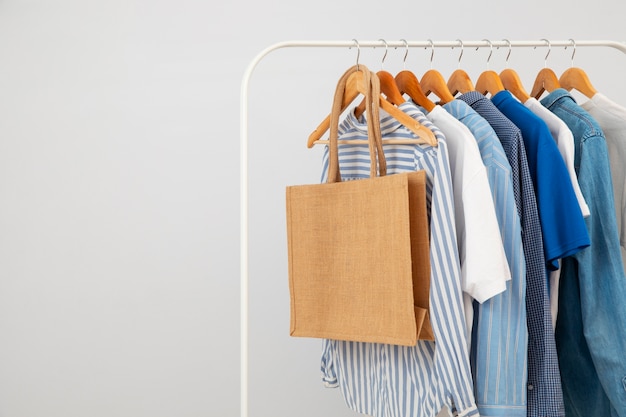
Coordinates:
(461, 54)
(382, 64)
(490, 52)
(574, 51)
(432, 51)
(358, 52)
(549, 45)
(406, 53)
(506, 61)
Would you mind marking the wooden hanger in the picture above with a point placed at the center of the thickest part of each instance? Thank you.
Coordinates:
(433, 82)
(546, 79)
(512, 82)
(489, 81)
(355, 87)
(388, 87)
(459, 81)
(393, 96)
(576, 78)
(408, 84)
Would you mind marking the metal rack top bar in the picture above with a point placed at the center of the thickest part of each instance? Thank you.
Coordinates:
(444, 44)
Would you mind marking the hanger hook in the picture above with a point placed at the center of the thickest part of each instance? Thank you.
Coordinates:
(432, 52)
(545, 60)
(461, 54)
(574, 51)
(490, 52)
(406, 53)
(506, 62)
(358, 52)
(382, 64)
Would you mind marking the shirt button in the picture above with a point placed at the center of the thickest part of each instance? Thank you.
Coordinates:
(530, 387)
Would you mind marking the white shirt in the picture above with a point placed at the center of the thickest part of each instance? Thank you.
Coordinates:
(484, 267)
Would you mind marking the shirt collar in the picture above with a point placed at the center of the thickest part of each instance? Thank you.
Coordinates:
(471, 97)
(556, 95)
(502, 97)
(458, 108)
(388, 124)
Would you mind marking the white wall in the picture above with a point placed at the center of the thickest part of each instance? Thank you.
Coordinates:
(119, 186)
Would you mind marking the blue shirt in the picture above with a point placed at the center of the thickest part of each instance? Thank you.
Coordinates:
(545, 397)
(562, 223)
(395, 381)
(591, 325)
(500, 334)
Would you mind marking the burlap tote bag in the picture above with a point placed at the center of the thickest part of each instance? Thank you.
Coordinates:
(358, 251)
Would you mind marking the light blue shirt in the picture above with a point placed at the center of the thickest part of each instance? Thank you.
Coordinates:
(500, 334)
(544, 394)
(384, 380)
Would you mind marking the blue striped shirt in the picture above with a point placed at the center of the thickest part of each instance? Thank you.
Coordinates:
(500, 335)
(395, 381)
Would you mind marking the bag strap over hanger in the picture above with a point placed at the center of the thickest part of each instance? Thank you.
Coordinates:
(424, 135)
(367, 84)
(388, 86)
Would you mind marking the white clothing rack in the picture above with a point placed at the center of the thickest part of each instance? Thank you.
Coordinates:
(244, 144)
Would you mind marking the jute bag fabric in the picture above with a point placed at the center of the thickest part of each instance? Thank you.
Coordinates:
(358, 251)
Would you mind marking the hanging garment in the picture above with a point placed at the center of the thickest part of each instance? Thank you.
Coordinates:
(395, 381)
(545, 397)
(500, 335)
(612, 120)
(484, 267)
(565, 142)
(562, 223)
(591, 326)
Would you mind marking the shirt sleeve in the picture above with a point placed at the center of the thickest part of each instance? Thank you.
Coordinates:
(562, 222)
(484, 267)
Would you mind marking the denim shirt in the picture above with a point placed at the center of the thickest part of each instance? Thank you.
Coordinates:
(591, 326)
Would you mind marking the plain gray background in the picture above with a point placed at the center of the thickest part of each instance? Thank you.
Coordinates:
(119, 185)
